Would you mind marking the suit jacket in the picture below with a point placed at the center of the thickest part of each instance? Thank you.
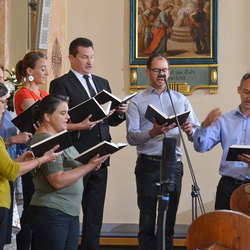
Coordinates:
(69, 85)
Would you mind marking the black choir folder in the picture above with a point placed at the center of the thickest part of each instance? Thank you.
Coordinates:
(81, 111)
(24, 121)
(160, 117)
(62, 138)
(104, 96)
(102, 148)
(236, 150)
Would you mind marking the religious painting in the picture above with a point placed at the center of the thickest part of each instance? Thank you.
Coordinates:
(183, 30)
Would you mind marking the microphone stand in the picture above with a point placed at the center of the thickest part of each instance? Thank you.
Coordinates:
(163, 202)
(164, 187)
(195, 189)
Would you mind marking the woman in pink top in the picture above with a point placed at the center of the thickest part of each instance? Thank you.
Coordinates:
(33, 69)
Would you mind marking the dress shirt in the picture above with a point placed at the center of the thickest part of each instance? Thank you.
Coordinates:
(231, 128)
(84, 83)
(138, 126)
(8, 129)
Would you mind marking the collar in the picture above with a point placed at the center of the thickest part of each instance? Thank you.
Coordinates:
(237, 111)
(78, 75)
(150, 89)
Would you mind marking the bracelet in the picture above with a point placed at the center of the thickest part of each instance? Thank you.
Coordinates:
(9, 141)
(39, 161)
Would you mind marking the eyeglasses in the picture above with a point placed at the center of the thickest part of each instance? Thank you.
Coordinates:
(158, 71)
(4, 102)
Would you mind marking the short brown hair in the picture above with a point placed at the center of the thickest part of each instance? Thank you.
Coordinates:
(151, 58)
(80, 41)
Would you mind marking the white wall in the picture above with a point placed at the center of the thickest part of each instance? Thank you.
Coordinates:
(107, 23)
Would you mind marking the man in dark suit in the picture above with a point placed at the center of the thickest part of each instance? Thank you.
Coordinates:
(86, 134)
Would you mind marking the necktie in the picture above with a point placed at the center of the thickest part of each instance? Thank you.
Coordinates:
(91, 90)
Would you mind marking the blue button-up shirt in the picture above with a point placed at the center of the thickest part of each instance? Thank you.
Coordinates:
(7, 129)
(231, 128)
(138, 126)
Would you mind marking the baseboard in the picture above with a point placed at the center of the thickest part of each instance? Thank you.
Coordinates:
(126, 235)
(132, 242)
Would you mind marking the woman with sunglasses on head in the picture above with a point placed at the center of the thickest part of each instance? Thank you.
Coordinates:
(55, 206)
(10, 169)
(33, 69)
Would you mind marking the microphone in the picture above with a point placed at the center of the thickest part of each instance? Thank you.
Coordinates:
(168, 164)
(165, 79)
(163, 76)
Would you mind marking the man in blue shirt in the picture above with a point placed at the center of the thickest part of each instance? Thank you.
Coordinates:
(228, 129)
(148, 139)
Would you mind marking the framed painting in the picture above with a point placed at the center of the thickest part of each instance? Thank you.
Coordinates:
(184, 30)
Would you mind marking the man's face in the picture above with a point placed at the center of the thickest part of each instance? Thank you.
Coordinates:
(1, 76)
(158, 82)
(84, 60)
(244, 93)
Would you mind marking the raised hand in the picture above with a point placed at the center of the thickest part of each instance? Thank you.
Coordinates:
(213, 116)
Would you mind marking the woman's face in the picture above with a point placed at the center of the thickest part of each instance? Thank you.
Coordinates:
(40, 72)
(3, 105)
(59, 119)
